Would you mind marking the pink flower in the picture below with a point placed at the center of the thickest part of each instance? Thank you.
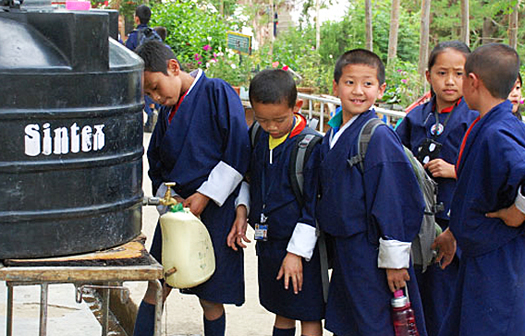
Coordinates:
(404, 81)
(522, 101)
(399, 70)
(215, 55)
(197, 57)
(275, 64)
(286, 67)
(206, 47)
(199, 62)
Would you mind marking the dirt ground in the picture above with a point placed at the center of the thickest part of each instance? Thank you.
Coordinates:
(182, 313)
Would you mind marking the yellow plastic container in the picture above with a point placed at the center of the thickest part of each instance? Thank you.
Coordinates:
(187, 250)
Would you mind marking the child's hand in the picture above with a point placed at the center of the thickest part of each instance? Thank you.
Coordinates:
(445, 243)
(292, 267)
(238, 231)
(197, 203)
(511, 216)
(441, 168)
(397, 278)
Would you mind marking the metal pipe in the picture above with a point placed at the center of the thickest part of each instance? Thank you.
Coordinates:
(43, 309)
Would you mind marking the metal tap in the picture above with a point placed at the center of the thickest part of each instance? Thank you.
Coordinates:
(167, 200)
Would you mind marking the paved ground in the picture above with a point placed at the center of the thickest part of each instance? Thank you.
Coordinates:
(182, 313)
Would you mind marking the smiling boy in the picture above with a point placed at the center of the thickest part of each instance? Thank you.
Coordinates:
(372, 215)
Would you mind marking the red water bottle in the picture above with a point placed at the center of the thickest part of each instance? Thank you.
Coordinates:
(403, 316)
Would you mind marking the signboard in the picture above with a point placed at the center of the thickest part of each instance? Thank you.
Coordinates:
(241, 43)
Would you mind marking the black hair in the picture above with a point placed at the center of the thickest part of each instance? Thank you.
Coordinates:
(519, 77)
(156, 56)
(143, 13)
(441, 47)
(497, 65)
(162, 31)
(273, 86)
(360, 56)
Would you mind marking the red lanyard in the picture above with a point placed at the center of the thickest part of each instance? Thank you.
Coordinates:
(176, 107)
(464, 142)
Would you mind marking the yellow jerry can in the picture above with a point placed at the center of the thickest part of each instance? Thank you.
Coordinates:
(187, 250)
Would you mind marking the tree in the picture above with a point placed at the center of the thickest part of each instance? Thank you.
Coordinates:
(465, 29)
(394, 28)
(424, 37)
(513, 26)
(368, 19)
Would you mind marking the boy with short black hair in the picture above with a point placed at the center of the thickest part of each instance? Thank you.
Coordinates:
(201, 143)
(372, 214)
(141, 18)
(284, 238)
(488, 209)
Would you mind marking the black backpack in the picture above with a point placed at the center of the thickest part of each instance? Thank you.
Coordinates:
(422, 254)
(145, 34)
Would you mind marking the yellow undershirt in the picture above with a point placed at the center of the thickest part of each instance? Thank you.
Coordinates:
(274, 142)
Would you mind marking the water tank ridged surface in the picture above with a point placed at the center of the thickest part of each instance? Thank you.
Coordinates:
(71, 135)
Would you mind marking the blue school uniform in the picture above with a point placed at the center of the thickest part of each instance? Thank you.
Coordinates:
(436, 285)
(132, 42)
(357, 209)
(270, 188)
(417, 126)
(489, 298)
(206, 148)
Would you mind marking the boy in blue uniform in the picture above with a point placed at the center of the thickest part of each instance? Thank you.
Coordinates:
(372, 215)
(201, 143)
(285, 240)
(440, 125)
(142, 17)
(489, 298)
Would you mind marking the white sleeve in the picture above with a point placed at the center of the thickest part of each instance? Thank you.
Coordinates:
(520, 201)
(393, 254)
(221, 182)
(303, 240)
(244, 197)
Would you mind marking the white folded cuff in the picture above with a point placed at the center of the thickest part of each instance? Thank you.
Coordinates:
(520, 201)
(393, 254)
(244, 197)
(303, 240)
(222, 181)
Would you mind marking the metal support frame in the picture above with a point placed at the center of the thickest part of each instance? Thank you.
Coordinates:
(79, 276)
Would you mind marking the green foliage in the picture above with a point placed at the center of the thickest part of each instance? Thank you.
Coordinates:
(194, 33)
(402, 83)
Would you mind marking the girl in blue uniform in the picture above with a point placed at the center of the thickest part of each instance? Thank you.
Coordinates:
(516, 98)
(373, 215)
(288, 261)
(201, 143)
(488, 209)
(440, 125)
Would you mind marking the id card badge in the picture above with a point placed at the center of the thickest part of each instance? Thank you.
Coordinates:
(261, 232)
(261, 229)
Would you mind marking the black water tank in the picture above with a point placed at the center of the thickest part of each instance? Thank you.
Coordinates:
(71, 134)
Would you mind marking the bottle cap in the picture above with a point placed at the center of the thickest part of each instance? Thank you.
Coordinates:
(399, 300)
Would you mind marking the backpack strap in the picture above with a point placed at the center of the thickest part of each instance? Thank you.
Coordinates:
(255, 133)
(305, 144)
(363, 139)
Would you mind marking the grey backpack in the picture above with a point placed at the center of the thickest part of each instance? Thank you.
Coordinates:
(422, 253)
